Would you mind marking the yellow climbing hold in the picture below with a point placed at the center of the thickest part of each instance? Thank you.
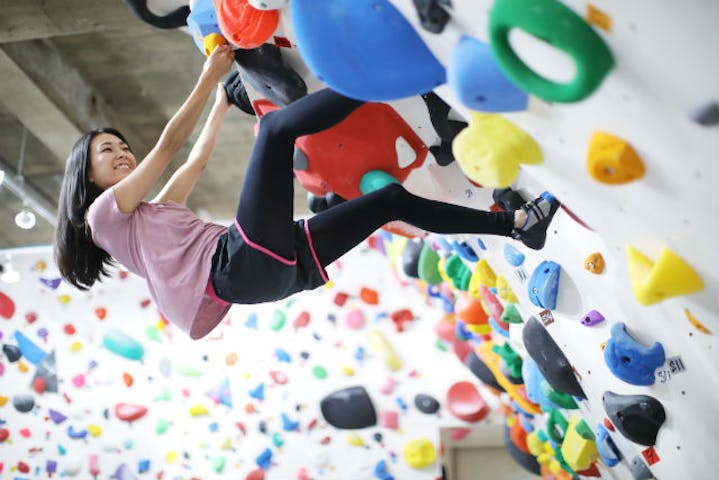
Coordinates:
(3, 400)
(76, 346)
(349, 371)
(697, 324)
(226, 444)
(668, 277)
(354, 440)
(212, 41)
(22, 366)
(198, 409)
(64, 299)
(441, 268)
(419, 453)
(383, 349)
(491, 148)
(612, 160)
(504, 291)
(94, 430)
(395, 248)
(578, 450)
(171, 457)
(535, 444)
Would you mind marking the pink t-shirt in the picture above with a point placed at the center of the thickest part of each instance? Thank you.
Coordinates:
(172, 249)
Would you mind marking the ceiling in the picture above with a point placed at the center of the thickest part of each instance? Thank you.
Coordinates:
(67, 66)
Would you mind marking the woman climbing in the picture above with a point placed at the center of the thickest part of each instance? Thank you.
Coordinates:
(194, 269)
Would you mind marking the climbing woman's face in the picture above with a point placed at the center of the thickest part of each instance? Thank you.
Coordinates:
(111, 160)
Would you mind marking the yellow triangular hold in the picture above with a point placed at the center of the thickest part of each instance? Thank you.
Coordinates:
(669, 277)
(578, 452)
(491, 148)
(504, 291)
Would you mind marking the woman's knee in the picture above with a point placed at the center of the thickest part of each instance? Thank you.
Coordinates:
(272, 124)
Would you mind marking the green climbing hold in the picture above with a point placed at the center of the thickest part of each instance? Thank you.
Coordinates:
(458, 272)
(374, 180)
(585, 431)
(61, 450)
(511, 358)
(152, 333)
(557, 25)
(188, 371)
(277, 440)
(164, 395)
(440, 345)
(427, 265)
(511, 314)
(319, 372)
(278, 320)
(218, 464)
(162, 426)
(561, 399)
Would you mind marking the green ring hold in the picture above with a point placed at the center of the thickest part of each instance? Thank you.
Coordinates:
(558, 25)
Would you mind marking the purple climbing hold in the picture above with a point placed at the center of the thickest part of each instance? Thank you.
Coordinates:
(592, 318)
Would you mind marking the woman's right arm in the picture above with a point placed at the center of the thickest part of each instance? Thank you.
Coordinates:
(132, 189)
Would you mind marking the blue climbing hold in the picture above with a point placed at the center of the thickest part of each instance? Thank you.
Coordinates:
(606, 446)
(544, 285)
(479, 83)
(532, 376)
(289, 425)
(29, 349)
(513, 256)
(364, 49)
(264, 459)
(258, 392)
(465, 251)
(631, 361)
(202, 21)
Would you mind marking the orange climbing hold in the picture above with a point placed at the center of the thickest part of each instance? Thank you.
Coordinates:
(369, 296)
(612, 160)
(598, 18)
(243, 25)
(470, 310)
(595, 263)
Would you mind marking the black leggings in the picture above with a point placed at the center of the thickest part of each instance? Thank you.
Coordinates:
(266, 208)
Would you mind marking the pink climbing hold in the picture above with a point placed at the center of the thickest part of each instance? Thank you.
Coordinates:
(390, 419)
(302, 474)
(302, 320)
(129, 412)
(355, 319)
(466, 403)
(445, 329)
(79, 380)
(278, 377)
(459, 434)
(388, 386)
(7, 306)
(94, 465)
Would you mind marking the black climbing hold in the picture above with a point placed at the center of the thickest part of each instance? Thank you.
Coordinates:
(550, 359)
(526, 460)
(262, 426)
(264, 70)
(426, 403)
(637, 417)
(482, 371)
(431, 15)
(349, 408)
(174, 19)
(640, 470)
(410, 257)
(12, 352)
(706, 114)
(507, 372)
(23, 402)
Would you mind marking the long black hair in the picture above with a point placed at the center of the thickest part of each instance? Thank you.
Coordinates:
(79, 260)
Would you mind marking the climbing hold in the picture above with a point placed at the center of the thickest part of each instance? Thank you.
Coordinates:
(258, 392)
(202, 24)
(29, 349)
(594, 263)
(513, 256)
(278, 320)
(364, 49)
(491, 148)
(369, 296)
(245, 26)
(640, 470)
(23, 402)
(696, 323)
(7, 306)
(668, 277)
(543, 286)
(465, 402)
(607, 448)
(526, 460)
(533, 382)
(479, 83)
(390, 419)
(504, 291)
(319, 372)
(563, 400)
(427, 265)
(552, 362)
(513, 386)
(469, 310)
(302, 320)
(122, 344)
(612, 160)
(592, 318)
(629, 360)
(579, 449)
(381, 347)
(465, 251)
(410, 257)
(349, 408)
(426, 403)
(511, 314)
(706, 114)
(12, 352)
(512, 360)
(432, 16)
(484, 274)
(457, 272)
(637, 417)
(129, 412)
(557, 25)
(355, 319)
(419, 453)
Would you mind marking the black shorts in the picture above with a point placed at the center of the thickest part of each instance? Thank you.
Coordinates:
(244, 272)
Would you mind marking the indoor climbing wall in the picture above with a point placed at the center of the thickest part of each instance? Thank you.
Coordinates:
(97, 385)
(601, 339)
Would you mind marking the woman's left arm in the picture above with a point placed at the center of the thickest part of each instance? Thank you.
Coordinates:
(182, 182)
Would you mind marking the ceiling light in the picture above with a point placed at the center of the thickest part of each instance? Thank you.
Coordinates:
(9, 274)
(25, 219)
(2, 176)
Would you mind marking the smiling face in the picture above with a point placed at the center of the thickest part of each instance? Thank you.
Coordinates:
(111, 160)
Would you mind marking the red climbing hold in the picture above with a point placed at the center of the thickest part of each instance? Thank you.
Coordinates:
(466, 403)
(257, 474)
(7, 306)
(129, 412)
(302, 320)
(244, 25)
(340, 298)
